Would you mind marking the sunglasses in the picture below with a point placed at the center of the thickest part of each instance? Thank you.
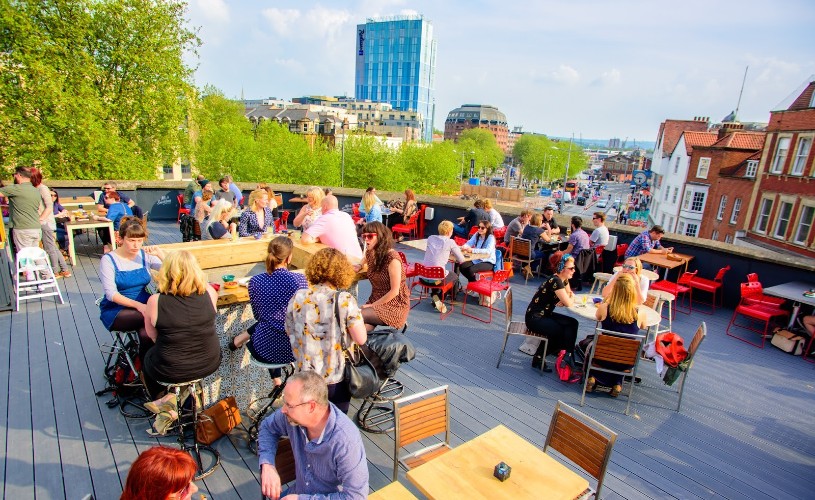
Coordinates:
(629, 266)
(481, 227)
(369, 236)
(569, 268)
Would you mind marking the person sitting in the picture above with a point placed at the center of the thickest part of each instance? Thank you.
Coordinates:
(482, 243)
(541, 318)
(258, 218)
(632, 266)
(272, 198)
(161, 473)
(180, 319)
(495, 218)
(60, 212)
(535, 233)
(516, 227)
(102, 204)
(599, 237)
(363, 208)
(125, 274)
(389, 302)
(269, 296)
(549, 220)
(406, 209)
(473, 217)
(225, 193)
(311, 210)
(219, 224)
(203, 201)
(618, 313)
(439, 248)
(319, 318)
(374, 209)
(648, 242)
(335, 229)
(329, 455)
(579, 239)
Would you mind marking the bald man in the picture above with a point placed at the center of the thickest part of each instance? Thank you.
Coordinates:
(335, 229)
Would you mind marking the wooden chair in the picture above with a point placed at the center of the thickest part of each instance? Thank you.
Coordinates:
(418, 417)
(284, 462)
(519, 328)
(520, 250)
(582, 440)
(614, 347)
(700, 335)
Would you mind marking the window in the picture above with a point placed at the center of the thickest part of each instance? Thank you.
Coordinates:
(715, 235)
(722, 206)
(780, 155)
(764, 215)
(676, 195)
(686, 200)
(698, 201)
(676, 165)
(691, 229)
(167, 169)
(662, 220)
(783, 219)
(728, 238)
(671, 224)
(736, 208)
(680, 228)
(667, 193)
(185, 169)
(703, 168)
(801, 156)
(804, 225)
(752, 168)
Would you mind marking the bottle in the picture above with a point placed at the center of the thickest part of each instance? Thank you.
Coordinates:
(234, 233)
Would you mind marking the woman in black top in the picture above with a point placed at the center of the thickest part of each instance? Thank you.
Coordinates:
(181, 321)
(561, 330)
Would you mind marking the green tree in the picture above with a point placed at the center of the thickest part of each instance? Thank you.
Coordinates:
(488, 156)
(545, 159)
(94, 89)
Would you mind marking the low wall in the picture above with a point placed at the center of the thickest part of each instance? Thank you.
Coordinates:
(495, 193)
(159, 197)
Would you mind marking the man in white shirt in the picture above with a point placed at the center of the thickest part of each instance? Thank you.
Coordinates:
(599, 237)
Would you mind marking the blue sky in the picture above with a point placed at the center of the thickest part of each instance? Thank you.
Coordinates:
(594, 68)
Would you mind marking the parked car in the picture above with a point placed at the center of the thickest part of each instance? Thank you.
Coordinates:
(602, 203)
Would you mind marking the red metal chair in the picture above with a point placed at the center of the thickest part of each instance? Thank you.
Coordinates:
(356, 215)
(432, 273)
(284, 220)
(181, 208)
(762, 298)
(485, 288)
(410, 269)
(473, 230)
(750, 306)
(499, 239)
(621, 249)
(678, 289)
(411, 228)
(710, 286)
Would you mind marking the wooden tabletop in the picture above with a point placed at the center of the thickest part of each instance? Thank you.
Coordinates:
(75, 202)
(662, 260)
(393, 491)
(466, 471)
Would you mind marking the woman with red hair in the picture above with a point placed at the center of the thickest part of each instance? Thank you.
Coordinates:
(161, 473)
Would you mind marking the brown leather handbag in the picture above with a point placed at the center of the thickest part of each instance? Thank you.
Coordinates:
(217, 420)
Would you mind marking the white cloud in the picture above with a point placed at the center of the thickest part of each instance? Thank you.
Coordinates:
(610, 77)
(213, 10)
(327, 23)
(565, 74)
(282, 20)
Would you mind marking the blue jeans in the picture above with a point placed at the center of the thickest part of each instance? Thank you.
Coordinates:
(460, 231)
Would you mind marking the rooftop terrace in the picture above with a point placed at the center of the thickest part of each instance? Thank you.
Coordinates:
(745, 429)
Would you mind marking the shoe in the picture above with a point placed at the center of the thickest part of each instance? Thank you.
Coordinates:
(615, 391)
(64, 274)
(167, 406)
(527, 270)
(591, 384)
(439, 304)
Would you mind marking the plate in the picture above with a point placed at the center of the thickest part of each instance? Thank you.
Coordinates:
(244, 281)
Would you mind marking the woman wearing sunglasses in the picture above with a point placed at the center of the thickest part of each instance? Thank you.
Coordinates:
(541, 318)
(482, 244)
(632, 266)
(389, 302)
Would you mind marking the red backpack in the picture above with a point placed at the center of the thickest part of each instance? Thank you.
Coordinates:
(566, 370)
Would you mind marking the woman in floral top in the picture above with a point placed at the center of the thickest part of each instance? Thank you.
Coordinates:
(316, 338)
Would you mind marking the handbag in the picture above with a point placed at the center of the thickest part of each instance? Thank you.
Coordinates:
(217, 420)
(359, 372)
(788, 342)
(566, 370)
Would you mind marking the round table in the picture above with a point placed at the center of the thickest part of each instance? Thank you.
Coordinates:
(651, 275)
(589, 310)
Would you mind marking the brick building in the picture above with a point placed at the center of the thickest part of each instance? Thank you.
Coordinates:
(478, 116)
(782, 203)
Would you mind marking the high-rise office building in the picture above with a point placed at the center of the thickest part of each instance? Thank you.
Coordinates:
(396, 63)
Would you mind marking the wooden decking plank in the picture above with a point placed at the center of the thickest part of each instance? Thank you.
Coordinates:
(5, 355)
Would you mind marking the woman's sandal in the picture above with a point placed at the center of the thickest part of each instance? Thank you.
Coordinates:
(163, 423)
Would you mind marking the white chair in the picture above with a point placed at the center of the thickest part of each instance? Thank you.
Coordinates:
(34, 277)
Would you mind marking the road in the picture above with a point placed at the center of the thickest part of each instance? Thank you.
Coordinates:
(618, 190)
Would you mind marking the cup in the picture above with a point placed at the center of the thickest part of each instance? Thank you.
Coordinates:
(228, 277)
(585, 298)
(597, 300)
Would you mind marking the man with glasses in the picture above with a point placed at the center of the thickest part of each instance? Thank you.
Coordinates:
(599, 237)
(648, 242)
(327, 446)
(102, 205)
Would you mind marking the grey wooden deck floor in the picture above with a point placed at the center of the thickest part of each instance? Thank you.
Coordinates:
(746, 429)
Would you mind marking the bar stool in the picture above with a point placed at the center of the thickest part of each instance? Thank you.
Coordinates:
(195, 449)
(664, 297)
(123, 375)
(259, 408)
(373, 415)
(600, 280)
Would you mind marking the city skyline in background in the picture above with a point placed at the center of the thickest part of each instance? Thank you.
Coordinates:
(588, 68)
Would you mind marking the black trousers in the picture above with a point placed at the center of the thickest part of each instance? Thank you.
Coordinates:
(561, 330)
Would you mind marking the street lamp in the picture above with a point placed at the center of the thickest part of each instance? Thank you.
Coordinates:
(342, 154)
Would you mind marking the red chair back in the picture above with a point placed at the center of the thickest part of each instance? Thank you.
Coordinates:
(500, 276)
(431, 273)
(284, 219)
(356, 209)
(499, 233)
(752, 278)
(751, 290)
(621, 249)
(720, 275)
(180, 198)
(473, 230)
(686, 277)
(459, 240)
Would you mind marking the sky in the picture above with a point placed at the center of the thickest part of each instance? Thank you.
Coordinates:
(589, 68)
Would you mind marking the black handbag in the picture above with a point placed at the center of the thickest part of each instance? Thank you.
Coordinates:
(359, 372)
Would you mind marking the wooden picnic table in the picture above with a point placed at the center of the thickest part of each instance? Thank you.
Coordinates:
(77, 201)
(466, 471)
(662, 260)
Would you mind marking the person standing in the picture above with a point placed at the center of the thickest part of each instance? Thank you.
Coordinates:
(190, 190)
(237, 191)
(24, 210)
(48, 226)
(329, 455)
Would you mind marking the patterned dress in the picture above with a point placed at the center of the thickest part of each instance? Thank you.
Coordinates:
(394, 312)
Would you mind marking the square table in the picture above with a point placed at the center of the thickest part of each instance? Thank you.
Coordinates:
(77, 201)
(661, 260)
(70, 227)
(793, 291)
(466, 471)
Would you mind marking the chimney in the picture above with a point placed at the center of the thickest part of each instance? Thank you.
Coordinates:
(729, 128)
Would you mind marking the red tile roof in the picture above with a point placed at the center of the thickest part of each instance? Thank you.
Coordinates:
(742, 140)
(698, 139)
(671, 131)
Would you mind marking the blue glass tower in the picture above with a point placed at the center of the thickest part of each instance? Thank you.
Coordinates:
(396, 63)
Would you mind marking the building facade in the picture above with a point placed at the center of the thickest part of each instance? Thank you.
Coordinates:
(396, 64)
(478, 116)
(782, 204)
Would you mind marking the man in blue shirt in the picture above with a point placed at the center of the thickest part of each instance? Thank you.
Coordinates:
(647, 242)
(235, 190)
(327, 446)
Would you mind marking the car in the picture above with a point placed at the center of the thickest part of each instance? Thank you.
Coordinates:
(581, 200)
(602, 203)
